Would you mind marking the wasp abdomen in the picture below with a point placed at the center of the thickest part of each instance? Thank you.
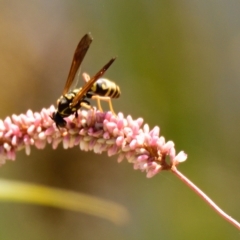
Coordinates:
(107, 88)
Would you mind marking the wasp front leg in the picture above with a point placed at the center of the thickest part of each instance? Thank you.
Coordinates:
(86, 104)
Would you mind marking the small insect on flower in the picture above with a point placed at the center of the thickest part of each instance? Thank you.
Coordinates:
(95, 88)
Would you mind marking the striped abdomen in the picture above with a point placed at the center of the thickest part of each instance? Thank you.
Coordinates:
(105, 87)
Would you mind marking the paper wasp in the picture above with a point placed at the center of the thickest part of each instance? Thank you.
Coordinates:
(95, 88)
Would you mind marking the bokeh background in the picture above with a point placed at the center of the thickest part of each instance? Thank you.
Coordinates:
(178, 67)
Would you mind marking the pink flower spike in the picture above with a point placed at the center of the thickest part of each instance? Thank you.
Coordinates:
(92, 131)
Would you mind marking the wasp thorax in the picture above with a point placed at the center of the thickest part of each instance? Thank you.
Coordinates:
(64, 106)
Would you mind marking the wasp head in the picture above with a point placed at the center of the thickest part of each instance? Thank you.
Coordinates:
(58, 119)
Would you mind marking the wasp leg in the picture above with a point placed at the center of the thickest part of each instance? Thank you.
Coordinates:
(76, 114)
(86, 77)
(92, 96)
(107, 99)
(86, 104)
(98, 103)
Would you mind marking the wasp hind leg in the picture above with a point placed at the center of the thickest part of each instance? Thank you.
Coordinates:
(106, 99)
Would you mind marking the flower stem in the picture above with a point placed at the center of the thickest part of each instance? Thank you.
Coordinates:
(206, 198)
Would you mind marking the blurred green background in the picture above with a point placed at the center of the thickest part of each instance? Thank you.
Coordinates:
(178, 67)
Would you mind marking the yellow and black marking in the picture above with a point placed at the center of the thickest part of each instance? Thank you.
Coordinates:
(96, 88)
(104, 89)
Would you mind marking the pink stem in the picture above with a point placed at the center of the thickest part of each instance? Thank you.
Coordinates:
(205, 198)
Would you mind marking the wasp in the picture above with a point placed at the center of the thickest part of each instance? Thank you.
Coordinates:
(95, 88)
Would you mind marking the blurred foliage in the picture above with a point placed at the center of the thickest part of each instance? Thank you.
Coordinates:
(16, 191)
(178, 68)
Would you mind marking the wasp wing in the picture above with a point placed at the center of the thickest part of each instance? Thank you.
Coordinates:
(89, 84)
(78, 57)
